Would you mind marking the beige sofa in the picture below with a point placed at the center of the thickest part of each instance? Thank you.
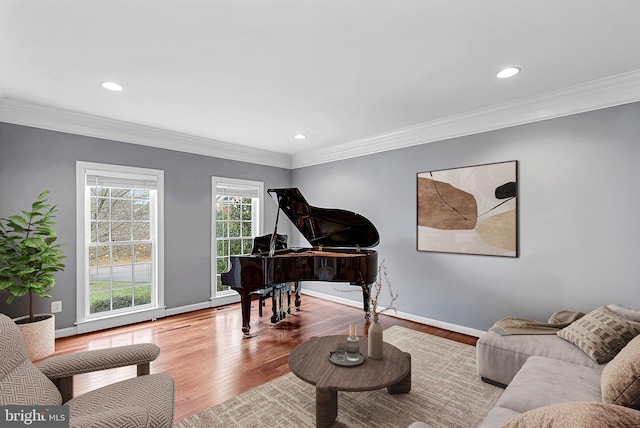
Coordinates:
(587, 375)
(579, 377)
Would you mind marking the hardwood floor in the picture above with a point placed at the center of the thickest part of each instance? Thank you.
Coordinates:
(209, 359)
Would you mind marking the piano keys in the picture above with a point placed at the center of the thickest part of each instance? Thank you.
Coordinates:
(340, 253)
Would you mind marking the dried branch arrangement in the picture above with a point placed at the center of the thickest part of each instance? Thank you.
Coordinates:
(376, 289)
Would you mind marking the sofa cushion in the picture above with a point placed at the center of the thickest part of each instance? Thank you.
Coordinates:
(134, 392)
(497, 417)
(542, 381)
(601, 333)
(577, 414)
(499, 358)
(621, 377)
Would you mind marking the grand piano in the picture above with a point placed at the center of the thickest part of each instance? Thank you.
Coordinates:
(340, 253)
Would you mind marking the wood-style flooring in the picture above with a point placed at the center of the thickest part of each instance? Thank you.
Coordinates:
(205, 353)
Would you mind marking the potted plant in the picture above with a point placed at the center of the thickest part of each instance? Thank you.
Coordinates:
(29, 259)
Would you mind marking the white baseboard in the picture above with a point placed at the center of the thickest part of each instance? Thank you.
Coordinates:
(65, 332)
(402, 315)
(120, 320)
(187, 308)
(144, 316)
(227, 300)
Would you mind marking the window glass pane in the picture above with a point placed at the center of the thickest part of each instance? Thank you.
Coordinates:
(222, 264)
(122, 254)
(94, 231)
(122, 298)
(234, 212)
(100, 278)
(246, 228)
(222, 229)
(142, 295)
(221, 212)
(100, 302)
(100, 191)
(235, 246)
(247, 246)
(143, 253)
(122, 276)
(234, 229)
(120, 193)
(100, 209)
(121, 231)
(223, 247)
(141, 231)
(101, 231)
(142, 273)
(141, 194)
(246, 211)
(141, 210)
(121, 209)
(99, 256)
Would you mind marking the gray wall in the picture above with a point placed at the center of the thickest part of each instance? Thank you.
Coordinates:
(578, 208)
(32, 160)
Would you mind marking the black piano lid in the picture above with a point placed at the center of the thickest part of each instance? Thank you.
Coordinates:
(326, 227)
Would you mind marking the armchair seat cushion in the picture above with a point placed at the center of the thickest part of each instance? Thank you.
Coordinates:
(151, 392)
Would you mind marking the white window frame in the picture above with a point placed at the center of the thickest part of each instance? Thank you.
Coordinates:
(86, 322)
(231, 296)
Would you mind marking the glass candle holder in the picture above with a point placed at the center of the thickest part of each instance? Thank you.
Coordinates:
(353, 344)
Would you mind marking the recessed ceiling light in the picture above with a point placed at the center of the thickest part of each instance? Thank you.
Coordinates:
(112, 86)
(508, 72)
(299, 136)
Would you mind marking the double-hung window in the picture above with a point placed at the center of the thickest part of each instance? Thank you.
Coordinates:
(238, 208)
(119, 244)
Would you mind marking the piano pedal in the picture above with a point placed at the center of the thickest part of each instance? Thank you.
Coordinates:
(278, 318)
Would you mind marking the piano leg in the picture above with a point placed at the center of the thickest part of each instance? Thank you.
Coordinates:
(278, 308)
(294, 287)
(245, 303)
(275, 303)
(298, 288)
(366, 299)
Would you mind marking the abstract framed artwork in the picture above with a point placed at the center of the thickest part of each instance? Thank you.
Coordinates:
(469, 210)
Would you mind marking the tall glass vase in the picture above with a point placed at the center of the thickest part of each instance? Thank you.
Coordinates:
(375, 339)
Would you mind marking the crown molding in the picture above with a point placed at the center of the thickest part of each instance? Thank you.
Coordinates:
(607, 92)
(38, 116)
(594, 95)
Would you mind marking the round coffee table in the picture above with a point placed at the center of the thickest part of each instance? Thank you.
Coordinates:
(310, 362)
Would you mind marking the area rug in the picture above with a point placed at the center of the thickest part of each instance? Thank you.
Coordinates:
(445, 392)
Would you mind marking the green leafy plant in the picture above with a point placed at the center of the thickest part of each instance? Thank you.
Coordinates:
(29, 256)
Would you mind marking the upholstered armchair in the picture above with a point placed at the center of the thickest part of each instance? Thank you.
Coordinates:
(144, 401)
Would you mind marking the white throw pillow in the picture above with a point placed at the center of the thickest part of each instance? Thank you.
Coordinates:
(629, 314)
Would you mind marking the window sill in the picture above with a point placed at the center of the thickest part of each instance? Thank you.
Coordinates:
(96, 324)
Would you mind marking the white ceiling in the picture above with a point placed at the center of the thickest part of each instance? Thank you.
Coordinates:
(241, 77)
